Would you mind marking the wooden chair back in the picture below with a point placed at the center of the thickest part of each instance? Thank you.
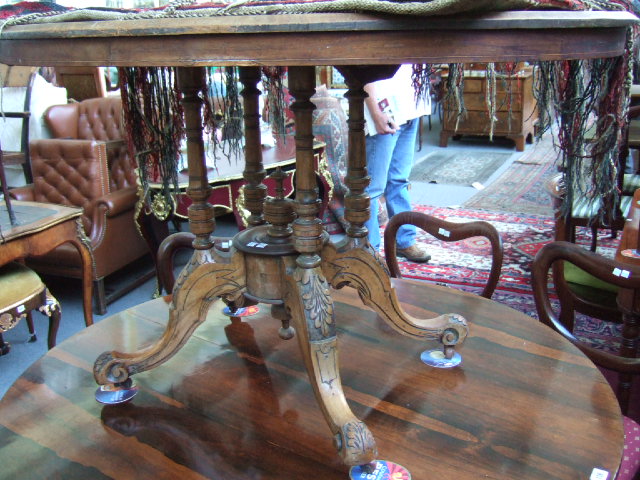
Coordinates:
(447, 232)
(610, 271)
(19, 77)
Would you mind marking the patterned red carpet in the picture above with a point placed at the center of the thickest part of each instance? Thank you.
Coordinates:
(466, 264)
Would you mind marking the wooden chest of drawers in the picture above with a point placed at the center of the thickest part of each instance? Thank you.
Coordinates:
(516, 112)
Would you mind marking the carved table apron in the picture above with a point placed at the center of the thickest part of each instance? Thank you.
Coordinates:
(286, 259)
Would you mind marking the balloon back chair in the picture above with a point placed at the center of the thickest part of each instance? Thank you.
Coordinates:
(616, 360)
(447, 232)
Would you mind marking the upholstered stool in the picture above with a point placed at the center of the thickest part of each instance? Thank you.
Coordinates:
(630, 465)
(22, 291)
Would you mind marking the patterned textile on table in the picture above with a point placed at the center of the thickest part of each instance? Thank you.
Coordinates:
(186, 8)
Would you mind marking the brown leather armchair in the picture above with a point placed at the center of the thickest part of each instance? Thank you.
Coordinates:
(86, 165)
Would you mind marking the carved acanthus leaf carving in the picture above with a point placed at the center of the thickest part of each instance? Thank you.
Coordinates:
(317, 300)
(358, 438)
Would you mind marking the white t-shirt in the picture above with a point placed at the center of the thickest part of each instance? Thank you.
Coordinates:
(397, 98)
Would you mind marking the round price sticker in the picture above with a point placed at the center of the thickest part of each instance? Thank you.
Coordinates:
(379, 470)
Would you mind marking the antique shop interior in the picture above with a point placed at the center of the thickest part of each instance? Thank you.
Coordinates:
(510, 310)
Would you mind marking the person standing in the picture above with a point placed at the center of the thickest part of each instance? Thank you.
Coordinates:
(392, 115)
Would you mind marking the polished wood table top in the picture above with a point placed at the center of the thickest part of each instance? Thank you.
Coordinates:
(319, 39)
(236, 402)
(41, 228)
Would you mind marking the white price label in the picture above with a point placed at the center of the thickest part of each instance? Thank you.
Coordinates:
(598, 474)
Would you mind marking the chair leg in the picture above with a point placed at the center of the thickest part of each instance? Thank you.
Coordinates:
(594, 238)
(31, 327)
(54, 324)
(99, 297)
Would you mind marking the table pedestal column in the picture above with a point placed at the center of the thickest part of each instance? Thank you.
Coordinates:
(289, 265)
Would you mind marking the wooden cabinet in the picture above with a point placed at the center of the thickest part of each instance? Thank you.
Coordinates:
(516, 112)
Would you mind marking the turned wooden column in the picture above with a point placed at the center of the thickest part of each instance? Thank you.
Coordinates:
(192, 81)
(254, 191)
(629, 303)
(307, 227)
(357, 201)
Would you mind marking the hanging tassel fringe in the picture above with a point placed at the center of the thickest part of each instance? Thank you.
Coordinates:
(586, 100)
(154, 117)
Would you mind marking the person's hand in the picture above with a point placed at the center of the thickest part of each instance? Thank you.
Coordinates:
(385, 124)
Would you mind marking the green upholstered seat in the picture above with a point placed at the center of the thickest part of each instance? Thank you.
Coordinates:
(573, 274)
(22, 291)
(587, 286)
(17, 285)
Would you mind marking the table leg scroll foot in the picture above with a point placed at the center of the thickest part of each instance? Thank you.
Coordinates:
(364, 271)
(191, 300)
(311, 307)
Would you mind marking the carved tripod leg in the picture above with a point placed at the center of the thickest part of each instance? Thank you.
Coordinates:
(307, 294)
(192, 296)
(311, 307)
(366, 273)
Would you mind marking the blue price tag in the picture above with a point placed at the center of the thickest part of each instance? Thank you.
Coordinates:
(241, 312)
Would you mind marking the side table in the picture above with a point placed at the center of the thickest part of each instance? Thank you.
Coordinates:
(41, 228)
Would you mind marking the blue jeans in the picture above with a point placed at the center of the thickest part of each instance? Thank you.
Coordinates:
(389, 163)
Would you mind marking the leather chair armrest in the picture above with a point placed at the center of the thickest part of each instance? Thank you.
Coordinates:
(109, 206)
(25, 193)
(119, 201)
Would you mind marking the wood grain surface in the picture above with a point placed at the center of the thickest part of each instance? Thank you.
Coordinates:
(235, 402)
(318, 39)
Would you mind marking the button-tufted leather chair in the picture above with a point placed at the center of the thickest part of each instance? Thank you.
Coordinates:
(86, 165)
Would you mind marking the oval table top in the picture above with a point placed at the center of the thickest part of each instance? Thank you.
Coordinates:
(319, 39)
(235, 402)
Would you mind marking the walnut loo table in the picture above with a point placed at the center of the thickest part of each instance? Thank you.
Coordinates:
(284, 258)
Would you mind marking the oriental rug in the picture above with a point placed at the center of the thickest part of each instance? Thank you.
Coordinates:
(458, 167)
(466, 264)
(522, 186)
